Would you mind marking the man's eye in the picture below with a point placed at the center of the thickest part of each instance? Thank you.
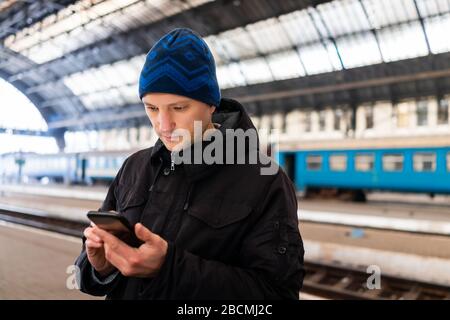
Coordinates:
(152, 108)
(179, 108)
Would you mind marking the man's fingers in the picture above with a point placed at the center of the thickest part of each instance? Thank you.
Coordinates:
(116, 259)
(104, 235)
(114, 243)
(89, 234)
(144, 233)
(93, 244)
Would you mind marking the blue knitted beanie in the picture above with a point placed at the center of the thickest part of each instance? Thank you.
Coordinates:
(181, 63)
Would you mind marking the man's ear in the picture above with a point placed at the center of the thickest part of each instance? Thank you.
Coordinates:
(213, 108)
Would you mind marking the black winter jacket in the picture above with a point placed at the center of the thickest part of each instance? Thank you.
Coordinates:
(232, 232)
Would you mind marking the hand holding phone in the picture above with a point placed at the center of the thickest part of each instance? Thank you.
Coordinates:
(116, 224)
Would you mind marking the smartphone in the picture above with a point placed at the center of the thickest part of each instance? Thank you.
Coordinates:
(116, 224)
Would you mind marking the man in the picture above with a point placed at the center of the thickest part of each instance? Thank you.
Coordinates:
(209, 231)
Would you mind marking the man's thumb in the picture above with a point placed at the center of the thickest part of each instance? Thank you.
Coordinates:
(143, 233)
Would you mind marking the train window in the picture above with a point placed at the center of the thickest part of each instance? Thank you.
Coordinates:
(101, 162)
(424, 161)
(402, 115)
(314, 162)
(337, 120)
(369, 117)
(422, 112)
(307, 121)
(393, 162)
(289, 165)
(448, 161)
(443, 111)
(322, 123)
(338, 162)
(364, 162)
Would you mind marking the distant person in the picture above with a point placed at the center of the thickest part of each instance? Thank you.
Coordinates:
(222, 230)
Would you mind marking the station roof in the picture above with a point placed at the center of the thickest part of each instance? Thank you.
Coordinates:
(79, 61)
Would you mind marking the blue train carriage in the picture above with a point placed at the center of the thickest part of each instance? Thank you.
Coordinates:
(101, 166)
(70, 168)
(9, 169)
(51, 167)
(353, 167)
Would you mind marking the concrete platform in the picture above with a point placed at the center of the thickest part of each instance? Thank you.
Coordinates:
(37, 264)
(391, 216)
(54, 190)
(66, 208)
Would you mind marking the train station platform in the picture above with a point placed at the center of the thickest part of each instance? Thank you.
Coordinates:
(37, 264)
(72, 202)
(408, 217)
(56, 190)
(354, 241)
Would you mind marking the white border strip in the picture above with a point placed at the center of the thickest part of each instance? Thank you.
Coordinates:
(411, 225)
(56, 192)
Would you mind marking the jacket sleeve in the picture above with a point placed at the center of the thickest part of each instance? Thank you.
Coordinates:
(88, 281)
(271, 258)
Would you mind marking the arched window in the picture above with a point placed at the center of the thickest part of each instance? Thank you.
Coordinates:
(18, 112)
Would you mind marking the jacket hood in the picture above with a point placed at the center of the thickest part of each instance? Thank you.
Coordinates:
(232, 115)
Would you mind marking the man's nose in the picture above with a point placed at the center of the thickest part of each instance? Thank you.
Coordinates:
(165, 122)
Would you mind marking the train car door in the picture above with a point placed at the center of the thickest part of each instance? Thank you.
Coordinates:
(289, 165)
(83, 169)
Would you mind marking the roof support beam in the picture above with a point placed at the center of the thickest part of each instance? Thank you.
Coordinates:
(25, 132)
(205, 19)
(315, 90)
(422, 24)
(25, 13)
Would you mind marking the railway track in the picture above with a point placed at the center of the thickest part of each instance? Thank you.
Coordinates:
(62, 226)
(322, 280)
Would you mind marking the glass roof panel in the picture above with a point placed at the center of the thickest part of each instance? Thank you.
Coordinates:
(387, 12)
(110, 99)
(299, 27)
(293, 44)
(437, 29)
(237, 43)
(218, 52)
(433, 7)
(256, 70)
(336, 16)
(403, 42)
(269, 36)
(286, 65)
(316, 58)
(223, 77)
(119, 74)
(93, 20)
(231, 75)
(359, 50)
(130, 94)
(318, 22)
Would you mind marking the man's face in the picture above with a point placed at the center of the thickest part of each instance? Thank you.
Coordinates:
(168, 112)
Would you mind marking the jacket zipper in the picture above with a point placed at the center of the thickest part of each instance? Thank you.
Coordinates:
(172, 162)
